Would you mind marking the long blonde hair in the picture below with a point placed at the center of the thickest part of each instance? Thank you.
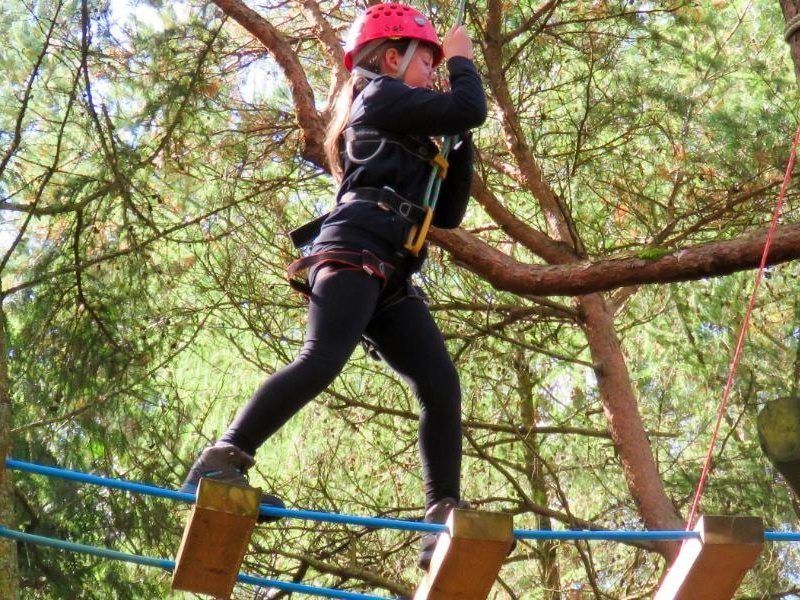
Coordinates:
(341, 110)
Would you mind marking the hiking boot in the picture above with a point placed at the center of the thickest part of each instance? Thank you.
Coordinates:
(437, 513)
(229, 464)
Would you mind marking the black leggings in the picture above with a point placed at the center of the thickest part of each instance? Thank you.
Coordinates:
(344, 305)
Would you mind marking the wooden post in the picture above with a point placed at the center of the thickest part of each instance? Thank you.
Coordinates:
(215, 538)
(468, 557)
(779, 435)
(712, 567)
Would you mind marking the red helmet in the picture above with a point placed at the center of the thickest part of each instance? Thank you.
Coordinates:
(390, 21)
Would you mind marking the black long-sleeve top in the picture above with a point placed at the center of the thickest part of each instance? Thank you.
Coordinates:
(389, 105)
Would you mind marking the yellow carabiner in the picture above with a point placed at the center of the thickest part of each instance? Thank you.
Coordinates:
(418, 233)
(440, 161)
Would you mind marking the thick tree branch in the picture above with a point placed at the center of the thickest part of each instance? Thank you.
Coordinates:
(687, 264)
(311, 123)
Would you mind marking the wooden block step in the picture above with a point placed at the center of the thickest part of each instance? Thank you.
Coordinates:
(712, 567)
(468, 558)
(215, 539)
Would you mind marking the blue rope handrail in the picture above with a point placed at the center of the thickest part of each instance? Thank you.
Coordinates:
(169, 565)
(269, 511)
(375, 522)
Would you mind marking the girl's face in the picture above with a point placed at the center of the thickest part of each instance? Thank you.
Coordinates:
(420, 70)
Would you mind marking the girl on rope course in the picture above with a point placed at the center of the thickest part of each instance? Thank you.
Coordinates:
(364, 251)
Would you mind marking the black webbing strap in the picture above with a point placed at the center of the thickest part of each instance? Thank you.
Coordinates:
(385, 197)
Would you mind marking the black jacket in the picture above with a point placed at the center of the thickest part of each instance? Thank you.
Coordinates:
(389, 105)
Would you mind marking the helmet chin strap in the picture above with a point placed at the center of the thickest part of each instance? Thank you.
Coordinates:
(369, 48)
(364, 53)
(365, 73)
(410, 51)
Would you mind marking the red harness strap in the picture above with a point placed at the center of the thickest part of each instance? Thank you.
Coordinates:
(297, 272)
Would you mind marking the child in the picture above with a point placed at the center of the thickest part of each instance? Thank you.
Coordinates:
(358, 271)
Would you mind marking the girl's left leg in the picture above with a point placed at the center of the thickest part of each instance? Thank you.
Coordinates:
(408, 339)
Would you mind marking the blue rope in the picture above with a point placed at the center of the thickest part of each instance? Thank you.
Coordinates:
(378, 523)
(169, 565)
(270, 511)
(782, 536)
(611, 536)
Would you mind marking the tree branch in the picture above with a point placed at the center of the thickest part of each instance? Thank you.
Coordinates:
(310, 121)
(537, 242)
(333, 49)
(558, 219)
(687, 264)
(12, 148)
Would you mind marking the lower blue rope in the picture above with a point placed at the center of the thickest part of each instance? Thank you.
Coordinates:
(374, 522)
(169, 565)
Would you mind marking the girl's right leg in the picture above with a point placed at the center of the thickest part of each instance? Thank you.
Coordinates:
(341, 304)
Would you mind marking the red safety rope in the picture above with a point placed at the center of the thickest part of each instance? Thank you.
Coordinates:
(742, 334)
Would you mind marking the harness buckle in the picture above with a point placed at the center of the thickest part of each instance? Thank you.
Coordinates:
(404, 209)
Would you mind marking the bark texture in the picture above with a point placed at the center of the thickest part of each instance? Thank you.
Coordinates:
(310, 121)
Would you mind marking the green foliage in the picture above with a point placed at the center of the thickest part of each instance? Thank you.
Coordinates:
(148, 293)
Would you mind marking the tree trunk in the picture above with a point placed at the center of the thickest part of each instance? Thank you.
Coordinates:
(624, 421)
(791, 8)
(616, 391)
(8, 549)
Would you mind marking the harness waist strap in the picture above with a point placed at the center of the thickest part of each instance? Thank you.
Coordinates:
(388, 198)
(385, 196)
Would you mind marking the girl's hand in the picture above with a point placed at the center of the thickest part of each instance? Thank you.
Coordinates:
(457, 43)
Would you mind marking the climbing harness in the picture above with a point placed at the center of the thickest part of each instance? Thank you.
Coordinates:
(420, 147)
